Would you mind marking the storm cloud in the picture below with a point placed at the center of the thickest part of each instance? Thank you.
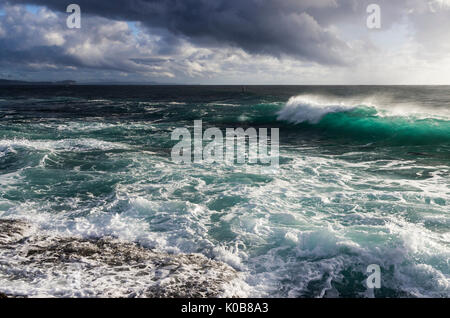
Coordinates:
(268, 27)
(232, 38)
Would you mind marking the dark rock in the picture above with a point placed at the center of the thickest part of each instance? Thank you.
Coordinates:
(107, 267)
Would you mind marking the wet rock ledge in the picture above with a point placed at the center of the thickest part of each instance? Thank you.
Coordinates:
(39, 265)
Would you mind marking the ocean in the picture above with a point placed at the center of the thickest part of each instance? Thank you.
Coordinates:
(363, 178)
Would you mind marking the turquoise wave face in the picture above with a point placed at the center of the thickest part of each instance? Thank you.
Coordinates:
(357, 185)
(366, 124)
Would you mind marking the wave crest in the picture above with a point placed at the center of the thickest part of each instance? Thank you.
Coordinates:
(304, 108)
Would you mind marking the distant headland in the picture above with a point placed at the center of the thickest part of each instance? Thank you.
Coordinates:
(14, 82)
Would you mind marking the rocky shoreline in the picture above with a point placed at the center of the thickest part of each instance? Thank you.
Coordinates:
(57, 266)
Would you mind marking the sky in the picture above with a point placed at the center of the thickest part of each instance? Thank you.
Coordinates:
(298, 42)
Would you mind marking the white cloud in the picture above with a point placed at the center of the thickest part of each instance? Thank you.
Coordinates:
(54, 38)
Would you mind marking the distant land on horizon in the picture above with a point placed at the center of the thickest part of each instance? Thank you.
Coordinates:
(72, 82)
(18, 82)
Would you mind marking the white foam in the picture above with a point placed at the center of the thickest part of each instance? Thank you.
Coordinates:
(177, 103)
(318, 216)
(82, 144)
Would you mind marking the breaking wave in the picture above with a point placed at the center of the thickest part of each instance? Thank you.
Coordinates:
(366, 121)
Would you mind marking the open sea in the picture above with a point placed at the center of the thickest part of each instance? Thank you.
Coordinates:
(364, 178)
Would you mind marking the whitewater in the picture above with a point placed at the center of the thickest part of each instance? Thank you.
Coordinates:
(364, 178)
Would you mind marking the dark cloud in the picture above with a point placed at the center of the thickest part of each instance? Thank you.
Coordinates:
(224, 41)
(39, 54)
(270, 27)
(41, 41)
